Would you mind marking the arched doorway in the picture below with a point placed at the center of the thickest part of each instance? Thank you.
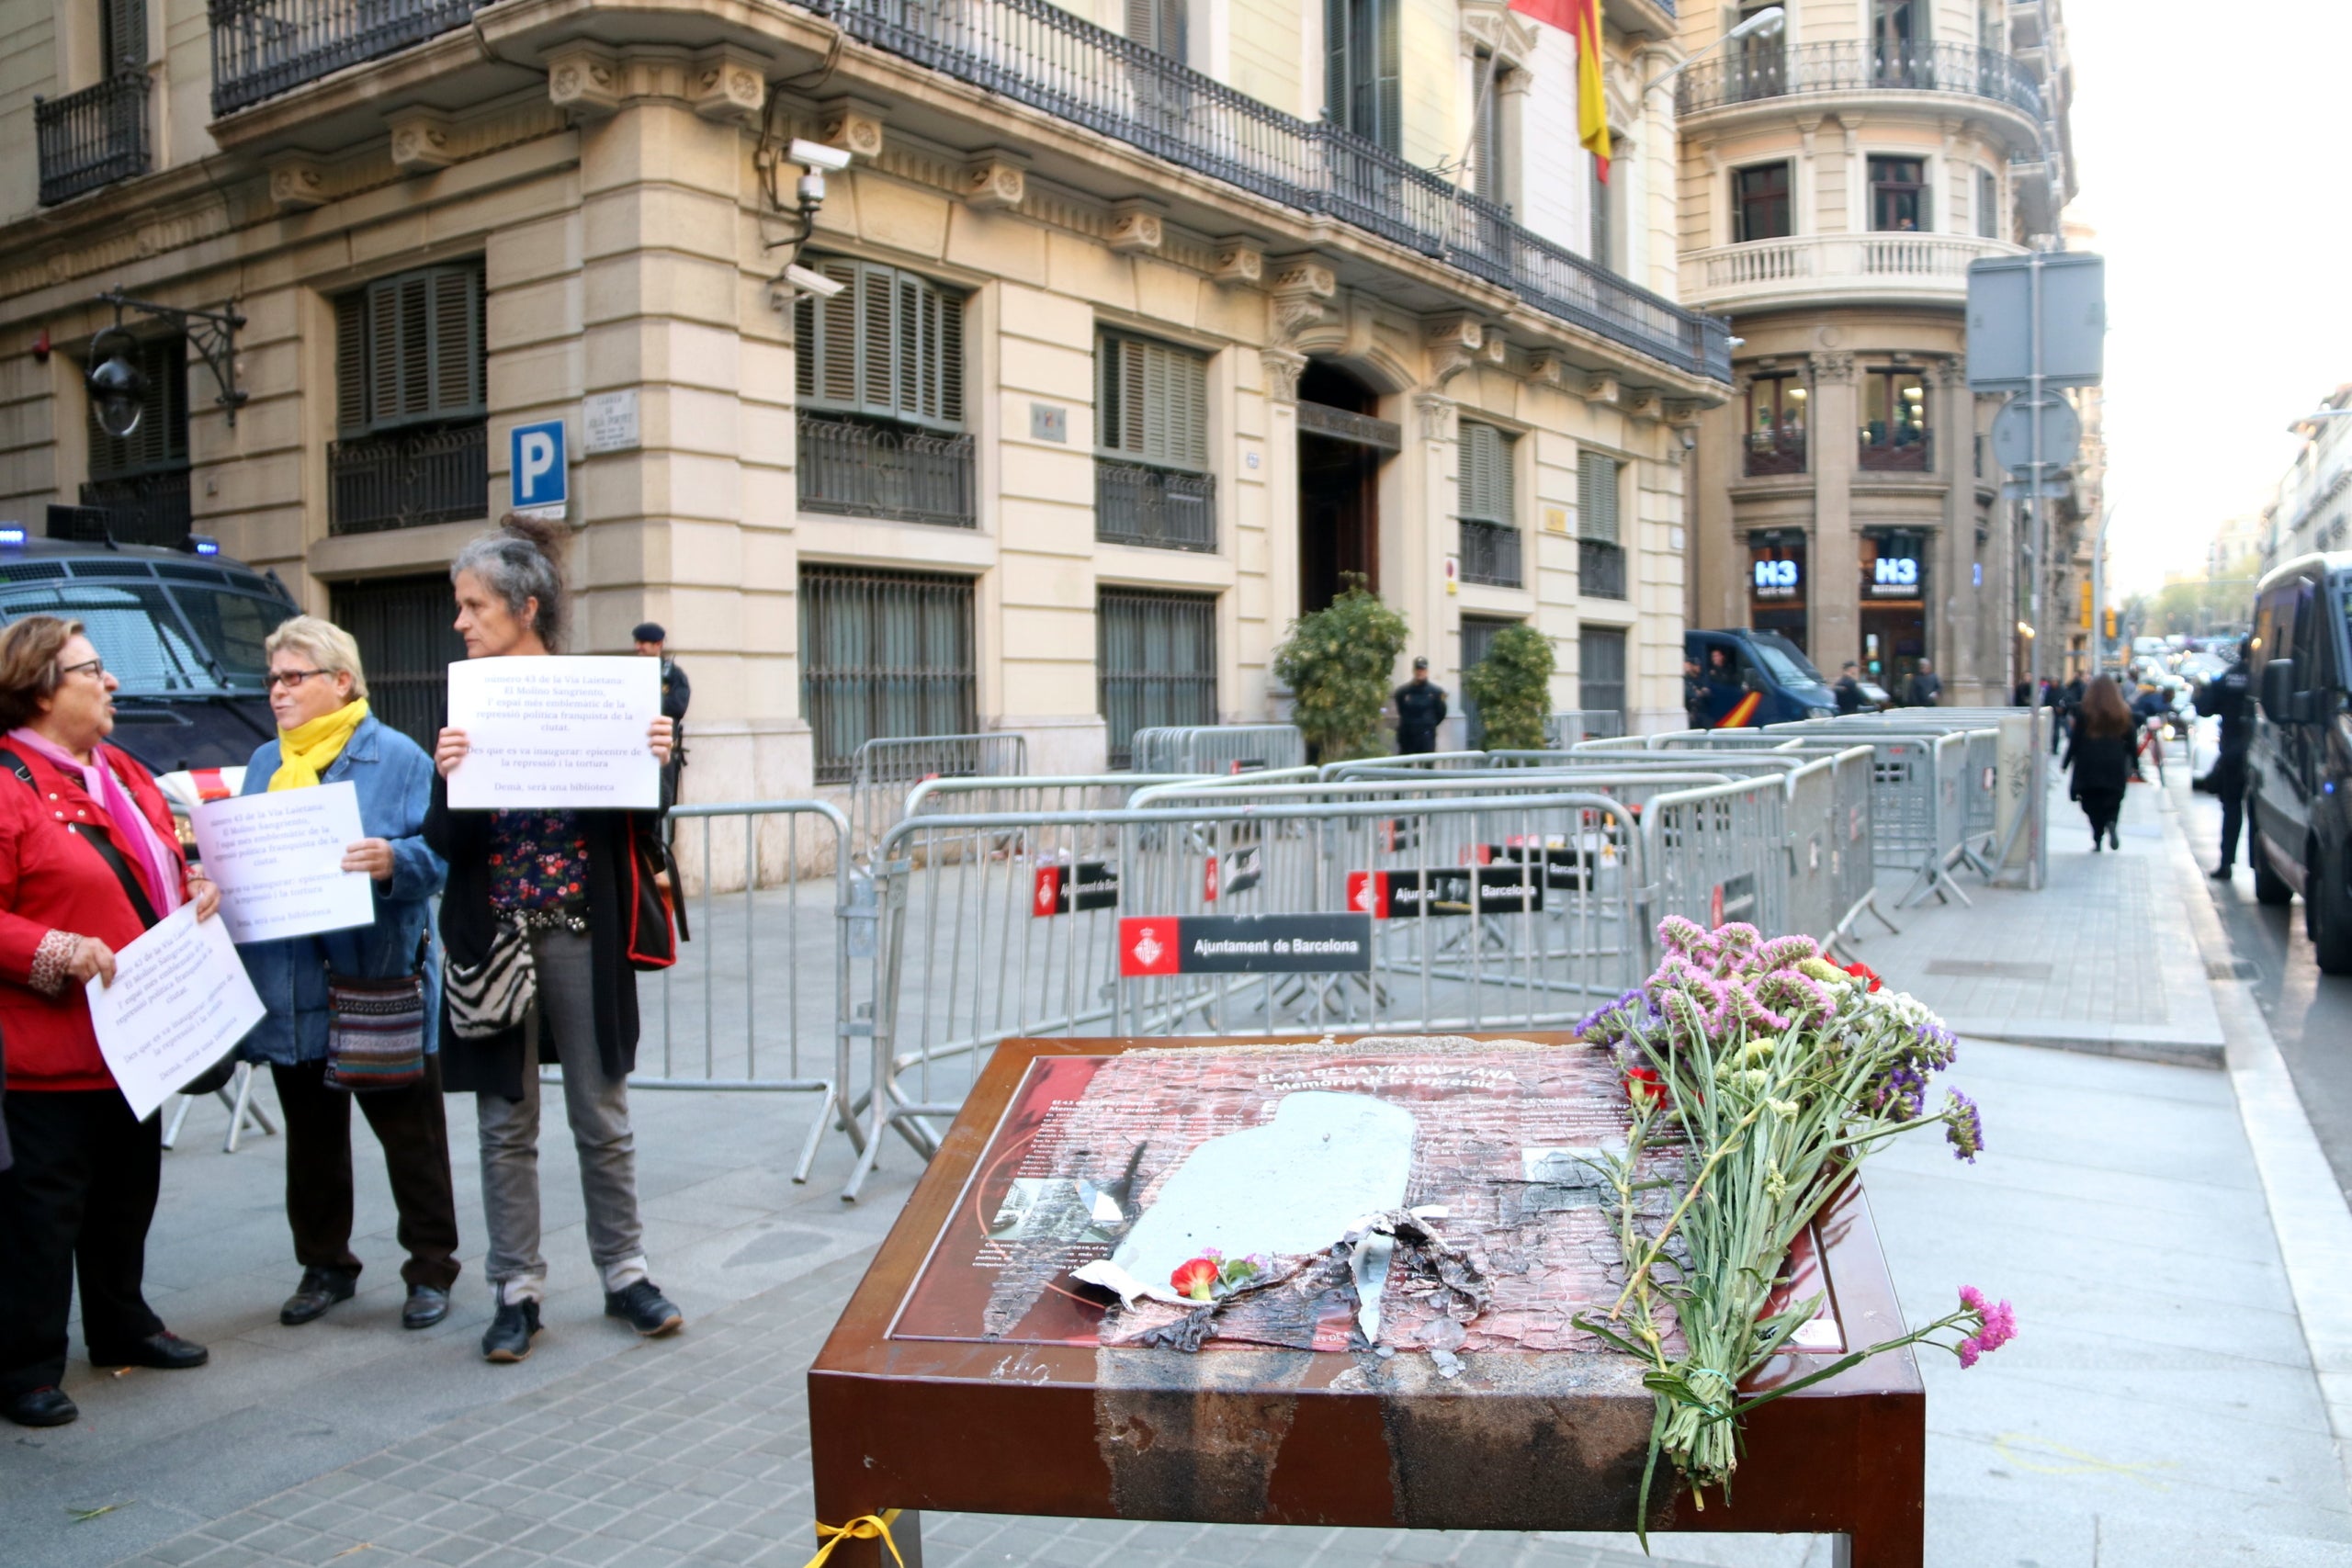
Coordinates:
(1341, 444)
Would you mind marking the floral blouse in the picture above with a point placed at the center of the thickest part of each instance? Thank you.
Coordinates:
(538, 868)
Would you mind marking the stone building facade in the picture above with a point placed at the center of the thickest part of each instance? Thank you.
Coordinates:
(1836, 181)
(1145, 332)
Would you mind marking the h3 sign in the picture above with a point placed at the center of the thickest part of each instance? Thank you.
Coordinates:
(538, 479)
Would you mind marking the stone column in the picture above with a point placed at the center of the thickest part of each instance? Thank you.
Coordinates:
(1836, 591)
(1282, 368)
(1431, 535)
(1952, 633)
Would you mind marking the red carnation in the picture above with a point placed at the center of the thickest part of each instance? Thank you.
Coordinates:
(1643, 1087)
(1197, 1279)
(1864, 972)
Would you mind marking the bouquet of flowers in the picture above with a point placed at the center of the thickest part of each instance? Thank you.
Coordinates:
(1774, 1071)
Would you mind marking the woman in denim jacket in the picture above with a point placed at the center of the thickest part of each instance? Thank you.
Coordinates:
(325, 735)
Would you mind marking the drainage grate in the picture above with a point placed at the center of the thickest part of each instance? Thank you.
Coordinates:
(1989, 968)
(2231, 969)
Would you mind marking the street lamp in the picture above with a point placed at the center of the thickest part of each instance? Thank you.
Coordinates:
(1767, 23)
(117, 386)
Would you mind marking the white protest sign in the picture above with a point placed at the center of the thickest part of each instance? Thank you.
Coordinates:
(555, 732)
(179, 1000)
(279, 859)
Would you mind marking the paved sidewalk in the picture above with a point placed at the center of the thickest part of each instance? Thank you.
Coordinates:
(2160, 1407)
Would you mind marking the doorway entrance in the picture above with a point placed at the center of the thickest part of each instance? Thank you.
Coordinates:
(1340, 446)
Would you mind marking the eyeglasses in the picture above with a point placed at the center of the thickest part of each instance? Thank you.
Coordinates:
(290, 679)
(96, 668)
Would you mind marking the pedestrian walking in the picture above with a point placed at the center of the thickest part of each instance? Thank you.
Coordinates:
(2098, 757)
(1849, 689)
(2228, 697)
(554, 882)
(1925, 689)
(677, 696)
(381, 977)
(88, 861)
(1421, 708)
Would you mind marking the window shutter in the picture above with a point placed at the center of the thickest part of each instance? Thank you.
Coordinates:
(889, 344)
(1597, 498)
(1335, 75)
(1487, 489)
(1135, 401)
(457, 351)
(1188, 383)
(1389, 97)
(1157, 24)
(950, 372)
(351, 362)
(123, 37)
(877, 391)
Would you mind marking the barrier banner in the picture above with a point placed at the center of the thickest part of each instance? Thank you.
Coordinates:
(1095, 886)
(1244, 944)
(1401, 895)
(1219, 880)
(1567, 869)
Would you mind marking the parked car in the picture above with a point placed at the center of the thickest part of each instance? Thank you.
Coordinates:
(181, 630)
(1771, 669)
(2299, 772)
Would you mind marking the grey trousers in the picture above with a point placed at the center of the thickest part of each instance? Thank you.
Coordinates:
(597, 1108)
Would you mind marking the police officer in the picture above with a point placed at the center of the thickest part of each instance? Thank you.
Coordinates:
(1849, 689)
(676, 694)
(1694, 693)
(2228, 697)
(1421, 708)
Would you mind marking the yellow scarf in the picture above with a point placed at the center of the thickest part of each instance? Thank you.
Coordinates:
(305, 750)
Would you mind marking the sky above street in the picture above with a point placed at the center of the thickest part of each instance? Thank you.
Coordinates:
(2209, 168)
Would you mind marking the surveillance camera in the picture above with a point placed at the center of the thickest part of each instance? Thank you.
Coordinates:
(808, 282)
(817, 156)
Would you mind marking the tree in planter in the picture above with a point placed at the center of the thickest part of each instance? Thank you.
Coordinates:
(1512, 686)
(1338, 663)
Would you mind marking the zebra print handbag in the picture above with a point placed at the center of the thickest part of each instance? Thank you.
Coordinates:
(493, 996)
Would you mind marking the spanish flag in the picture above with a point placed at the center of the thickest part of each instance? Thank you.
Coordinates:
(1581, 17)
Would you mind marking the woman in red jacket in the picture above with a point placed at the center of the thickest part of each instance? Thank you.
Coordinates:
(82, 826)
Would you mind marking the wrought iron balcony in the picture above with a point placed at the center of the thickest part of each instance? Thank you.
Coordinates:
(92, 138)
(408, 478)
(1036, 53)
(1601, 568)
(1165, 509)
(1904, 450)
(262, 48)
(852, 469)
(1775, 452)
(1490, 554)
(1850, 65)
(145, 509)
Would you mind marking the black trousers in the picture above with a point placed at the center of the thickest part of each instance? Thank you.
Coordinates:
(2228, 782)
(79, 1200)
(2102, 807)
(413, 1127)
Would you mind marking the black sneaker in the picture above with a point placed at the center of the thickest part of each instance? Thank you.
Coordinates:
(508, 1338)
(648, 1311)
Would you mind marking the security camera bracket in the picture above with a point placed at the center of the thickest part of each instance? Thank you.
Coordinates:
(214, 333)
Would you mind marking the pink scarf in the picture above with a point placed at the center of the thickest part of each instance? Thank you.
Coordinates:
(157, 858)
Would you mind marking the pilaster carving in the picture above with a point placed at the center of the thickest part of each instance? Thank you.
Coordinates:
(584, 78)
(1683, 413)
(1304, 289)
(1458, 340)
(995, 179)
(1240, 262)
(422, 140)
(1833, 369)
(851, 124)
(1546, 368)
(1602, 388)
(1951, 370)
(1283, 369)
(1436, 415)
(1642, 402)
(1137, 225)
(728, 84)
(295, 184)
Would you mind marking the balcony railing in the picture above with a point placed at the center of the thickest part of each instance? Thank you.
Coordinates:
(1903, 452)
(92, 138)
(1850, 65)
(1038, 54)
(855, 469)
(408, 478)
(1815, 268)
(1600, 569)
(262, 48)
(1490, 553)
(1163, 508)
(145, 509)
(1775, 452)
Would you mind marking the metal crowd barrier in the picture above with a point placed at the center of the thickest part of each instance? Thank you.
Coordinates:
(883, 770)
(1218, 748)
(732, 1013)
(1567, 727)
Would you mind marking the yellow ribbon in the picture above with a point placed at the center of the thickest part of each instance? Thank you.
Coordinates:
(865, 1527)
(305, 750)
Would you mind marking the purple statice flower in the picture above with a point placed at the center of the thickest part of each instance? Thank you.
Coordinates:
(1611, 1019)
(1786, 952)
(1996, 1325)
(1963, 1127)
(1796, 995)
(1899, 1093)
(1751, 1010)
(1737, 938)
(1682, 937)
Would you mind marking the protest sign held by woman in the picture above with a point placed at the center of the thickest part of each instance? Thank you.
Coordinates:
(88, 862)
(352, 1013)
(549, 912)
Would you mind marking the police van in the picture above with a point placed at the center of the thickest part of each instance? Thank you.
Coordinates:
(2299, 769)
(182, 629)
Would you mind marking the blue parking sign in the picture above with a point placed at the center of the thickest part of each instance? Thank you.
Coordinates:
(537, 473)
